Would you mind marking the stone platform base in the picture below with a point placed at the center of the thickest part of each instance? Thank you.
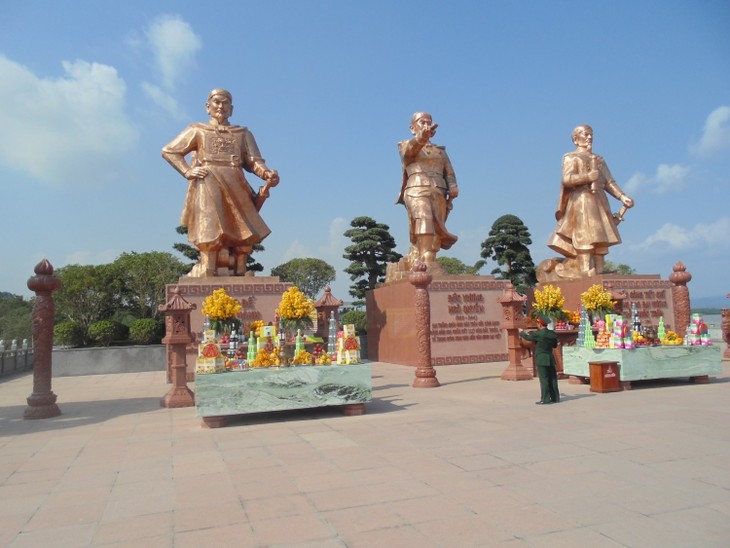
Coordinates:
(465, 318)
(651, 295)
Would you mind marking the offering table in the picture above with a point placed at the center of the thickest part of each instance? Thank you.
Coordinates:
(258, 390)
(645, 363)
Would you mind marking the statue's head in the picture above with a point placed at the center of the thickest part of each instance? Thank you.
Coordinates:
(219, 91)
(582, 134)
(219, 104)
(420, 118)
(417, 116)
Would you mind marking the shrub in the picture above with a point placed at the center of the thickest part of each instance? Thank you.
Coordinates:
(106, 331)
(358, 319)
(69, 334)
(147, 331)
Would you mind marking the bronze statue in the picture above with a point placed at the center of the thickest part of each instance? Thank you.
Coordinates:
(221, 209)
(429, 186)
(586, 227)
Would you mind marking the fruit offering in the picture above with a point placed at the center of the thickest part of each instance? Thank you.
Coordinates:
(671, 338)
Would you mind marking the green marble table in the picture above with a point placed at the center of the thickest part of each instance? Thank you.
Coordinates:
(275, 389)
(644, 363)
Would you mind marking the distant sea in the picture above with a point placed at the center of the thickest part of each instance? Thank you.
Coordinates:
(710, 302)
(714, 324)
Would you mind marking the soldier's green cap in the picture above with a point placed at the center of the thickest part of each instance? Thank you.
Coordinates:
(542, 319)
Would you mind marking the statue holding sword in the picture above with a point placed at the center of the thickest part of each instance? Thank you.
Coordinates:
(586, 228)
(221, 208)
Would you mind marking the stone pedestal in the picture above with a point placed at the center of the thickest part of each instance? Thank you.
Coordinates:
(464, 321)
(259, 297)
(652, 295)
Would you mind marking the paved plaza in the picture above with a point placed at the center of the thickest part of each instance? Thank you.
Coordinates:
(472, 463)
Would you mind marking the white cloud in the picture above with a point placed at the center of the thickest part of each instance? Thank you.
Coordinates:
(329, 250)
(71, 129)
(174, 45)
(668, 178)
(716, 134)
(163, 100)
(702, 235)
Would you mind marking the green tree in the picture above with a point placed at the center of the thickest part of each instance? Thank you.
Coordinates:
(454, 266)
(507, 246)
(105, 332)
(372, 249)
(16, 318)
(358, 318)
(194, 255)
(142, 278)
(310, 275)
(88, 294)
(623, 269)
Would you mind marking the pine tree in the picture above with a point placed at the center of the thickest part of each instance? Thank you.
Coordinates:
(507, 246)
(372, 249)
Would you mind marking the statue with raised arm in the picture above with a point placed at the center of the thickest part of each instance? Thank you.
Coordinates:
(221, 210)
(429, 186)
(586, 227)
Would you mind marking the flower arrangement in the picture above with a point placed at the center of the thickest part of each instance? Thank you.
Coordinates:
(295, 309)
(222, 309)
(597, 300)
(550, 301)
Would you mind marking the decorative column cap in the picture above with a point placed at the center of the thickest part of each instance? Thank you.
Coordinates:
(44, 280)
(420, 276)
(680, 276)
(510, 295)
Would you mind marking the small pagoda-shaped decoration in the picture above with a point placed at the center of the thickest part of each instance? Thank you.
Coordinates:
(327, 306)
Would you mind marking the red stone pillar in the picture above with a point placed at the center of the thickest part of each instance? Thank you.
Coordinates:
(42, 402)
(725, 325)
(680, 295)
(420, 278)
(512, 321)
(177, 337)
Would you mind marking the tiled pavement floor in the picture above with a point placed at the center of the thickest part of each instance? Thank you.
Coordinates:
(471, 463)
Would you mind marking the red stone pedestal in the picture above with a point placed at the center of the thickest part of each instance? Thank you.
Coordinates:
(215, 422)
(464, 321)
(353, 409)
(178, 397)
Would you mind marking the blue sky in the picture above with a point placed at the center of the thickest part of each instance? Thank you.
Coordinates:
(92, 90)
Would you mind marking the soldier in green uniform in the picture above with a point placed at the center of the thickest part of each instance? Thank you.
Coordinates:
(545, 341)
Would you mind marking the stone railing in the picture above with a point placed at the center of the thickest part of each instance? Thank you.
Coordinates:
(15, 359)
